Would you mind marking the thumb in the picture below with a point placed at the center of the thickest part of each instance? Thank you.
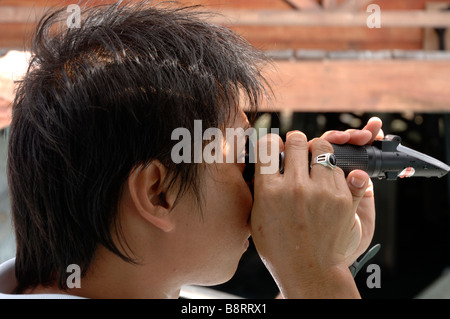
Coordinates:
(357, 182)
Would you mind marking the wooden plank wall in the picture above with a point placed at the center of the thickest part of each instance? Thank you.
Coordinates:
(16, 34)
(308, 85)
(363, 86)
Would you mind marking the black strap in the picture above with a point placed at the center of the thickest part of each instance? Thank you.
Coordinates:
(357, 265)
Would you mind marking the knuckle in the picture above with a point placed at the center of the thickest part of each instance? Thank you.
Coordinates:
(269, 190)
(339, 172)
(320, 193)
(298, 190)
(321, 145)
(270, 141)
(345, 201)
(296, 139)
(335, 197)
(272, 191)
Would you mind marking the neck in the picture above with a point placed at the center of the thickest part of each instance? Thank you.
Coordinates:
(109, 277)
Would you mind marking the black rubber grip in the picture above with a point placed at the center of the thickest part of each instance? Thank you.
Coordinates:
(350, 157)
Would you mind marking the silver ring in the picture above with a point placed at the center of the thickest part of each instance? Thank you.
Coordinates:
(327, 159)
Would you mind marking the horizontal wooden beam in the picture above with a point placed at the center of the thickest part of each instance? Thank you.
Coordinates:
(13, 14)
(360, 86)
(335, 38)
(351, 86)
(408, 18)
(17, 35)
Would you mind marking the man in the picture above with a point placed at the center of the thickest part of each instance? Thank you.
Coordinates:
(93, 183)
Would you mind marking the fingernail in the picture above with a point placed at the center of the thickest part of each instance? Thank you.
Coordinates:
(374, 118)
(358, 182)
(296, 132)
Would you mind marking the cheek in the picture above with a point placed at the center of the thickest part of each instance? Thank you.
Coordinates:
(237, 200)
(227, 198)
(244, 198)
(216, 242)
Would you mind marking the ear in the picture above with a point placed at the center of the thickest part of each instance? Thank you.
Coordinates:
(150, 200)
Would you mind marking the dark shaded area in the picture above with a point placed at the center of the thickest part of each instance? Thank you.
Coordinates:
(413, 224)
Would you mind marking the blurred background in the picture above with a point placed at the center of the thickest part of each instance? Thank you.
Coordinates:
(336, 64)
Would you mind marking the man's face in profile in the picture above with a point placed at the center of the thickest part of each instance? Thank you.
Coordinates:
(213, 240)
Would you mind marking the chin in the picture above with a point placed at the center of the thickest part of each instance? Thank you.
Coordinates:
(220, 280)
(222, 274)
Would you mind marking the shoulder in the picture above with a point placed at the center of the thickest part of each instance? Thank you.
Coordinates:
(8, 282)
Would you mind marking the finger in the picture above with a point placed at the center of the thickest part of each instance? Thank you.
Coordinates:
(380, 135)
(359, 137)
(319, 146)
(373, 126)
(267, 153)
(336, 137)
(296, 151)
(357, 182)
(355, 241)
(369, 190)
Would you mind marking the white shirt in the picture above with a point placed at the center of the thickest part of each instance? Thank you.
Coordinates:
(8, 282)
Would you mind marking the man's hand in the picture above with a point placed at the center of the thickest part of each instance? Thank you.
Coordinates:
(303, 222)
(365, 213)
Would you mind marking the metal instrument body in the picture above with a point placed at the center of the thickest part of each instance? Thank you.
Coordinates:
(384, 159)
(388, 159)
